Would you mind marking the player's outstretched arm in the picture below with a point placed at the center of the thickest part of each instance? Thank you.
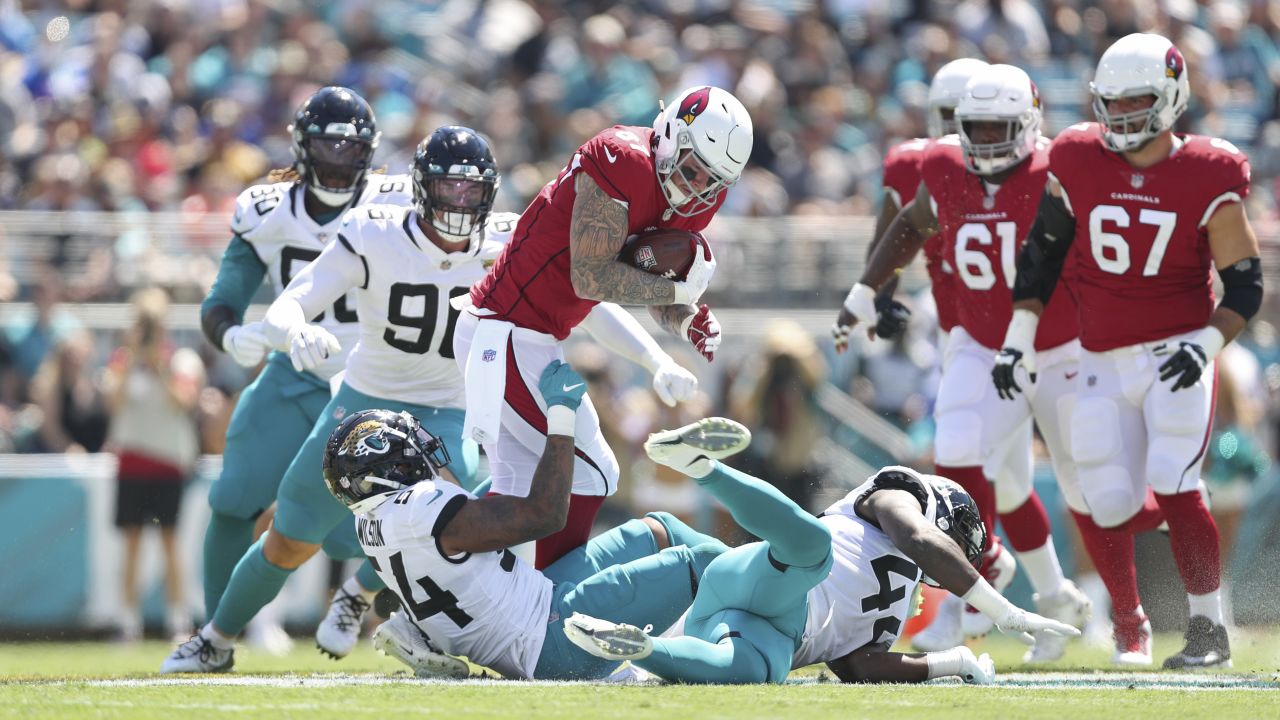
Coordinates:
(901, 241)
(876, 665)
(597, 231)
(616, 330)
(222, 313)
(323, 281)
(497, 522)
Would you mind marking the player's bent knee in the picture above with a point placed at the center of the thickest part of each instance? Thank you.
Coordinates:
(1110, 493)
(286, 552)
(959, 439)
(1095, 431)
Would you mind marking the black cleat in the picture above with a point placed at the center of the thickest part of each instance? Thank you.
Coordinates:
(1207, 647)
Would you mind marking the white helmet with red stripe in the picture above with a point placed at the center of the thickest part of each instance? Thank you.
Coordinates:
(999, 94)
(1136, 65)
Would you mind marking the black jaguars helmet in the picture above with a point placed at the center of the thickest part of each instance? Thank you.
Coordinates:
(455, 180)
(956, 515)
(375, 452)
(334, 136)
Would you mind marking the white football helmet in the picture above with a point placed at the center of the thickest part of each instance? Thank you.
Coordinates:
(1000, 93)
(716, 131)
(1140, 64)
(945, 91)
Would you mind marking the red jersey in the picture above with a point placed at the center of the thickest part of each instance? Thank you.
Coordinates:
(982, 236)
(529, 284)
(901, 179)
(1141, 248)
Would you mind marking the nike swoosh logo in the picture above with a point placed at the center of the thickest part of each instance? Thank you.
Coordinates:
(567, 388)
(609, 155)
(432, 499)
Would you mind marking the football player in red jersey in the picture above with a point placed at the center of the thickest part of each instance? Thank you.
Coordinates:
(978, 194)
(561, 268)
(1140, 213)
(900, 177)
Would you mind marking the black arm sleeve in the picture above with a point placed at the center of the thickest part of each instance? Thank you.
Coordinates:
(1040, 262)
(1242, 287)
(215, 320)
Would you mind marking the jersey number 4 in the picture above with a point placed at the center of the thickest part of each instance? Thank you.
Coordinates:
(403, 297)
(438, 599)
(883, 566)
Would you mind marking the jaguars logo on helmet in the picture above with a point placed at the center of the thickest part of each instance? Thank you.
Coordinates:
(376, 452)
(334, 135)
(455, 181)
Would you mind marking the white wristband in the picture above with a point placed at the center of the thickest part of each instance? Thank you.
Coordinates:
(561, 420)
(860, 298)
(1022, 330)
(1212, 340)
(987, 600)
(945, 663)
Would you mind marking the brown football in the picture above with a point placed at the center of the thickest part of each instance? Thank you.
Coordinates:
(668, 252)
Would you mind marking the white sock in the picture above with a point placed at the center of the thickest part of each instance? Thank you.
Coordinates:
(1043, 569)
(1208, 605)
(353, 587)
(945, 663)
(220, 641)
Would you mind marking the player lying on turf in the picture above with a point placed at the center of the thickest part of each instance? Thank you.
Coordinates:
(833, 589)
(444, 551)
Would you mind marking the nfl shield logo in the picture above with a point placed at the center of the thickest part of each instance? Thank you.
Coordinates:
(645, 258)
(489, 355)
(339, 413)
(1137, 181)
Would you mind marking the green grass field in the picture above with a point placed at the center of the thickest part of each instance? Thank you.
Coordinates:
(57, 680)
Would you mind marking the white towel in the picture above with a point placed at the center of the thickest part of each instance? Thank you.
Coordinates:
(486, 380)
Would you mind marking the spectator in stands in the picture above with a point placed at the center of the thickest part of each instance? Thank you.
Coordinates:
(33, 335)
(68, 391)
(153, 393)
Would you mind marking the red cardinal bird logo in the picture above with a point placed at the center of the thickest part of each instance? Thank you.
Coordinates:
(693, 104)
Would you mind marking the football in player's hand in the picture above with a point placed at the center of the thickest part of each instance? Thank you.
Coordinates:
(668, 252)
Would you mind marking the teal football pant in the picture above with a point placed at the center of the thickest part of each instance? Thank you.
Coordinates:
(749, 613)
(621, 576)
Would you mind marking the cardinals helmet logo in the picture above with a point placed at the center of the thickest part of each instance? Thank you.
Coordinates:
(1173, 63)
(693, 104)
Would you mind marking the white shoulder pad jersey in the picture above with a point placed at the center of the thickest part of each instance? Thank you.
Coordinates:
(867, 597)
(272, 220)
(492, 608)
(406, 322)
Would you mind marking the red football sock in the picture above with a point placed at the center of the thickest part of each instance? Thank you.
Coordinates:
(1147, 519)
(1113, 557)
(979, 488)
(1194, 537)
(1027, 527)
(576, 530)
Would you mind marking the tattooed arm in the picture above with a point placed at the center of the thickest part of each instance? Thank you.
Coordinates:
(671, 317)
(596, 233)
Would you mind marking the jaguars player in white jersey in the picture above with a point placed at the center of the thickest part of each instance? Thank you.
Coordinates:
(833, 589)
(401, 265)
(445, 553)
(279, 228)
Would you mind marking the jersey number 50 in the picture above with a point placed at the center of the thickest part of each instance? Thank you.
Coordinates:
(426, 322)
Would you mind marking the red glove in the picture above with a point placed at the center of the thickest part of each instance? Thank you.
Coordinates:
(703, 330)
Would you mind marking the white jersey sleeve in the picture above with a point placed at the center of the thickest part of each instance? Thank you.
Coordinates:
(406, 320)
(491, 607)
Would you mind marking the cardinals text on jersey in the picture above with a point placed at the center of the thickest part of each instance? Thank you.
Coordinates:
(530, 283)
(1141, 250)
(982, 235)
(406, 321)
(272, 220)
(901, 180)
(491, 607)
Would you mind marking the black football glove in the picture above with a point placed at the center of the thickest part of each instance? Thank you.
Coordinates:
(1187, 364)
(891, 317)
(1007, 361)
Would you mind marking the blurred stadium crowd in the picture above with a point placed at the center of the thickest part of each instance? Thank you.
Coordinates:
(146, 106)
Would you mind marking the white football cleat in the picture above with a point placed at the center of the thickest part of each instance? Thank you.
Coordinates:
(608, 640)
(1133, 641)
(977, 670)
(1069, 605)
(944, 632)
(401, 639)
(690, 449)
(998, 571)
(338, 632)
(199, 655)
